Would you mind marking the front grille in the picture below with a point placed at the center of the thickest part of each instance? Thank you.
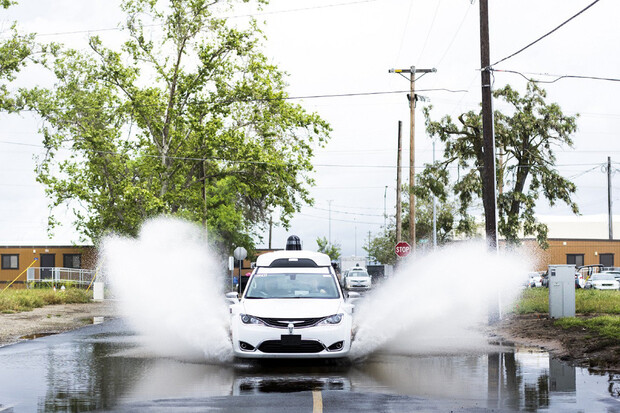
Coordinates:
(306, 346)
(297, 322)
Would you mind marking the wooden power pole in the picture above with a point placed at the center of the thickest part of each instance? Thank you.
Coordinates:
(489, 184)
(412, 99)
(399, 207)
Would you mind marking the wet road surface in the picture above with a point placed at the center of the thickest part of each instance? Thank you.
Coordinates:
(105, 367)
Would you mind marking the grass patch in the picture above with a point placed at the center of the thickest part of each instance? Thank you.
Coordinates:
(532, 300)
(536, 300)
(597, 301)
(12, 301)
(606, 326)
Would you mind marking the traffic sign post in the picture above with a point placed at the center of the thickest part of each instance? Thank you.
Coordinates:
(402, 249)
(240, 254)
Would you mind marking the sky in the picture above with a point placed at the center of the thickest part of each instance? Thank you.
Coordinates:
(345, 48)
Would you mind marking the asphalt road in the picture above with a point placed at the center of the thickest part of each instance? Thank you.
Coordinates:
(106, 367)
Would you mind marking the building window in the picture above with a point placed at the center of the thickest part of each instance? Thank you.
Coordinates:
(606, 259)
(575, 259)
(10, 261)
(72, 260)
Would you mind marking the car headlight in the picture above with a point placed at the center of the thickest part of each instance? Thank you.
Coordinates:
(332, 319)
(248, 319)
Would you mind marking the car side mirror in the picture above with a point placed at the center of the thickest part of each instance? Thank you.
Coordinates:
(233, 297)
(352, 296)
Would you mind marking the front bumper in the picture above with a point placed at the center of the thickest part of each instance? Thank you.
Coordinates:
(260, 341)
(604, 286)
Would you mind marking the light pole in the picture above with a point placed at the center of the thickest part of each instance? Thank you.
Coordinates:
(412, 99)
(434, 208)
(384, 209)
(329, 240)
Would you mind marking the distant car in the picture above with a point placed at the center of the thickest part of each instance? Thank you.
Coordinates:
(292, 307)
(534, 280)
(602, 281)
(584, 273)
(357, 278)
(616, 274)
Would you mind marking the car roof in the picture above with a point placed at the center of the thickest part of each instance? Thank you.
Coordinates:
(293, 259)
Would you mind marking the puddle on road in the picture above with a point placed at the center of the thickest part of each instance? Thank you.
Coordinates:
(115, 363)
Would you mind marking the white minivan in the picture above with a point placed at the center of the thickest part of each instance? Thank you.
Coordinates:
(292, 307)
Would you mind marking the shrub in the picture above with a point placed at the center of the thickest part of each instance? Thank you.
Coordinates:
(25, 300)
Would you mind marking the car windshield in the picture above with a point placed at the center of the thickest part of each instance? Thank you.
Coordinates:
(290, 284)
(358, 273)
(603, 277)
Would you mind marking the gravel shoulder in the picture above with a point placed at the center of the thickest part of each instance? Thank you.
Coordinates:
(577, 346)
(51, 319)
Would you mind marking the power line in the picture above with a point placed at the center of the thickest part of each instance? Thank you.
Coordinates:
(429, 30)
(454, 37)
(341, 220)
(233, 161)
(254, 100)
(226, 17)
(545, 35)
(558, 77)
(359, 207)
(347, 213)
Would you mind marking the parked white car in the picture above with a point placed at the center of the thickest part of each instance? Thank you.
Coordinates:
(534, 279)
(602, 281)
(292, 307)
(357, 278)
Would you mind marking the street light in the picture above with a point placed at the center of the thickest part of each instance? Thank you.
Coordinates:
(384, 210)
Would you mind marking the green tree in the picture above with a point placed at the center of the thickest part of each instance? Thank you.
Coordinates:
(333, 250)
(525, 139)
(190, 120)
(15, 52)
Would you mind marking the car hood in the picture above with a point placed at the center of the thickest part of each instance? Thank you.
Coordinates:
(359, 278)
(291, 307)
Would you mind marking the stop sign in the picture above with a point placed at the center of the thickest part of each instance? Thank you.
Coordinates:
(402, 249)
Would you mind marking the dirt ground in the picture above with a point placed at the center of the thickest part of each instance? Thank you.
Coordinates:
(51, 319)
(577, 346)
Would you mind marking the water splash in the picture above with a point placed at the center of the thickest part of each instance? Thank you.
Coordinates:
(439, 302)
(169, 289)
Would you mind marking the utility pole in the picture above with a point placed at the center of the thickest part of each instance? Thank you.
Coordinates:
(399, 206)
(489, 185)
(355, 237)
(412, 99)
(609, 214)
(270, 229)
(368, 247)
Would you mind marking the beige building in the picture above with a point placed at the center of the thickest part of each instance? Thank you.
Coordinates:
(16, 259)
(578, 240)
